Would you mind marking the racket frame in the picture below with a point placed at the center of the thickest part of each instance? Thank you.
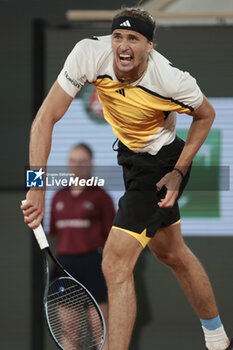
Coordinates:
(47, 252)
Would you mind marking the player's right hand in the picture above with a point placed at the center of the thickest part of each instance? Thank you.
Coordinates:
(171, 181)
(33, 208)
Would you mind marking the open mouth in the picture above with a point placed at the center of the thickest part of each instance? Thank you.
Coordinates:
(125, 58)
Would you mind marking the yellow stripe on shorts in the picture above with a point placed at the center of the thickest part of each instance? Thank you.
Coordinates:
(140, 237)
(175, 223)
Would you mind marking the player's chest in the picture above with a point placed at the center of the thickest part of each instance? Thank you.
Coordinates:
(131, 100)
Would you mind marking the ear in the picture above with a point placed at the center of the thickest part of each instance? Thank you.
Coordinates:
(150, 46)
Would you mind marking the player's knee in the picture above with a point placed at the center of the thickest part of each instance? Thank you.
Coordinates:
(168, 258)
(174, 258)
(114, 268)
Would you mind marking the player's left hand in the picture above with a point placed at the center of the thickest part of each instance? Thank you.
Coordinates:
(172, 183)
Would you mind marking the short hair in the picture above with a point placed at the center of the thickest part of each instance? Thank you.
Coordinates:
(84, 146)
(137, 12)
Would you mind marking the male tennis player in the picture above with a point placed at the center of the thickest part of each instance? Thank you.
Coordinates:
(140, 92)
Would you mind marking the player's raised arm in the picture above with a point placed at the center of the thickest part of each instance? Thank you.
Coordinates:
(52, 109)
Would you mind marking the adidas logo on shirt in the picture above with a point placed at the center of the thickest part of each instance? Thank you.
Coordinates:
(121, 92)
(125, 24)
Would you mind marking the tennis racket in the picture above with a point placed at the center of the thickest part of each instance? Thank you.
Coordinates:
(73, 316)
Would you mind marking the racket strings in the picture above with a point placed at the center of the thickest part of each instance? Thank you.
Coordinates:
(73, 316)
(58, 293)
(72, 297)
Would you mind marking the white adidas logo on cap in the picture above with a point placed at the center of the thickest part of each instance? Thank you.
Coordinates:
(125, 24)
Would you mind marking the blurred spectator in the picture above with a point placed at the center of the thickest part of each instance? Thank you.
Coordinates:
(81, 218)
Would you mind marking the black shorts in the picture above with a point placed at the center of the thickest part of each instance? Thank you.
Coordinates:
(138, 210)
(86, 269)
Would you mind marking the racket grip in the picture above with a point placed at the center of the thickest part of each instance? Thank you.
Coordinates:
(40, 235)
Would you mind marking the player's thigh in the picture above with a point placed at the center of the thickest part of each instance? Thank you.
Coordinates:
(121, 251)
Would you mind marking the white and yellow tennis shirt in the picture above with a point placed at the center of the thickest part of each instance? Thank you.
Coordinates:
(142, 114)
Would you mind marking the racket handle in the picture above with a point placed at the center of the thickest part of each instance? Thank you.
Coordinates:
(40, 235)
